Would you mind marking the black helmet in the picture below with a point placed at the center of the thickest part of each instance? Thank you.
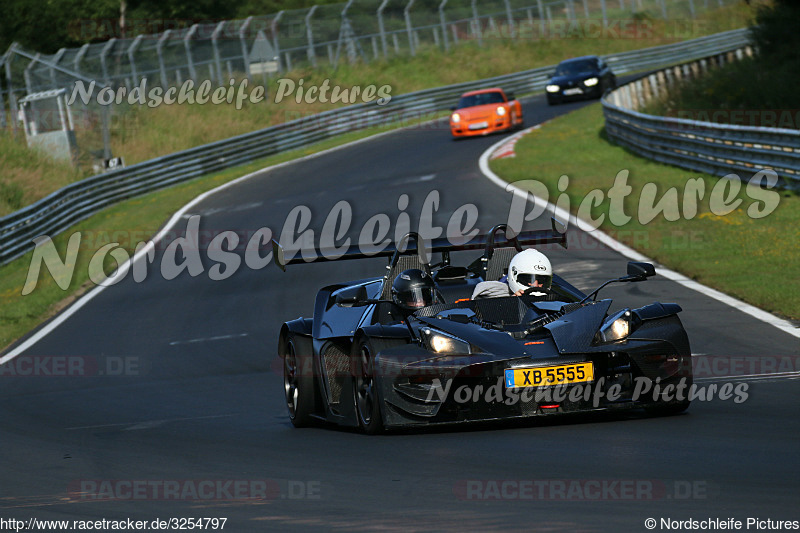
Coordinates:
(413, 289)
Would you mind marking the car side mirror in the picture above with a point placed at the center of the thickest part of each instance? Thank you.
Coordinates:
(640, 271)
(352, 296)
(510, 96)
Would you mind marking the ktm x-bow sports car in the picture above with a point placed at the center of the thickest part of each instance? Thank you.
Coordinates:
(363, 360)
(485, 111)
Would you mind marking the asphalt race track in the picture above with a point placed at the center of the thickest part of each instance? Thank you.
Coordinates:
(180, 385)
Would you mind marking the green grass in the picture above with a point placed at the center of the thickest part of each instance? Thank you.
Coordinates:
(755, 260)
(140, 134)
(746, 86)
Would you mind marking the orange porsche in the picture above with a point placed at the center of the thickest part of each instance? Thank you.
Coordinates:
(485, 111)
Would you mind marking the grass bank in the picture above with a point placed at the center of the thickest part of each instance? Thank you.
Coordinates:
(754, 259)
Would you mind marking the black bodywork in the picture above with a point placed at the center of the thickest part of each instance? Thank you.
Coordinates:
(362, 361)
(580, 78)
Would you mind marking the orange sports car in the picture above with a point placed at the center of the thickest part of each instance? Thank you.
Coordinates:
(485, 111)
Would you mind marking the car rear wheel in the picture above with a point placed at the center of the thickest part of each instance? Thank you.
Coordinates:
(298, 381)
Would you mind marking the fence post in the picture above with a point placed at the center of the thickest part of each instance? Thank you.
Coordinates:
(381, 27)
(12, 100)
(586, 9)
(79, 57)
(215, 48)
(243, 44)
(132, 50)
(56, 59)
(103, 62)
(605, 13)
(409, 29)
(540, 9)
(312, 56)
(274, 28)
(691, 8)
(443, 23)
(510, 17)
(3, 121)
(27, 74)
(478, 31)
(187, 45)
(159, 51)
(663, 9)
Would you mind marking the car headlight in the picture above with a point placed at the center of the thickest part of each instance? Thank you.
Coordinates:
(501, 111)
(591, 82)
(440, 342)
(553, 88)
(617, 327)
(455, 117)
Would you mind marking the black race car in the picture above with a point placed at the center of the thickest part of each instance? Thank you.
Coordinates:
(362, 360)
(579, 78)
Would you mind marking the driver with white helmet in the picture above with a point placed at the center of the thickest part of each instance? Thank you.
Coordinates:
(529, 269)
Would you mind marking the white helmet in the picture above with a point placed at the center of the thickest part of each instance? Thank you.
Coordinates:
(527, 267)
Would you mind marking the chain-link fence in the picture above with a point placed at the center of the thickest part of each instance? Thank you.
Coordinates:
(259, 48)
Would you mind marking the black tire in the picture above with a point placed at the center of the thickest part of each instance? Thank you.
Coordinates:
(366, 394)
(298, 380)
(667, 409)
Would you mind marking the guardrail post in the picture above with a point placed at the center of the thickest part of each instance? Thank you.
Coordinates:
(312, 56)
(477, 22)
(443, 23)
(381, 27)
(132, 50)
(409, 29)
(215, 48)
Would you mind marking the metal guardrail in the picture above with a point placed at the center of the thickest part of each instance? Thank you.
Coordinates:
(63, 208)
(710, 147)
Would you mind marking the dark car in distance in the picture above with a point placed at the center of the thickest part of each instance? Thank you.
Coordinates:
(580, 78)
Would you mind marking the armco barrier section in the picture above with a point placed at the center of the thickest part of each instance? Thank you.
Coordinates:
(63, 208)
(710, 147)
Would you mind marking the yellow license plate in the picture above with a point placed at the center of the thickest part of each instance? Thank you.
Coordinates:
(549, 375)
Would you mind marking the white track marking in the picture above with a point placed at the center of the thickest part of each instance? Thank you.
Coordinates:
(617, 246)
(146, 423)
(181, 213)
(206, 339)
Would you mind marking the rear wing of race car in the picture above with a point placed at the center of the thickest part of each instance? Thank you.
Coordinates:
(412, 241)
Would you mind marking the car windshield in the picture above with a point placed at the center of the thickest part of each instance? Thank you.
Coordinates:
(480, 99)
(569, 68)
